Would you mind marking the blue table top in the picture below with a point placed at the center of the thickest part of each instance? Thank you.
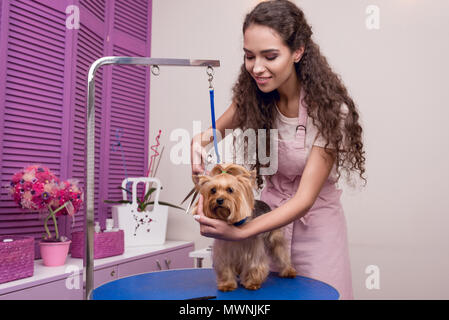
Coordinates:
(180, 284)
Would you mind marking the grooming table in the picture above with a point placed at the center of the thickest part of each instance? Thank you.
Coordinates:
(183, 284)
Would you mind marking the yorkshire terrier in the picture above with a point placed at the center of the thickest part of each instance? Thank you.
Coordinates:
(228, 195)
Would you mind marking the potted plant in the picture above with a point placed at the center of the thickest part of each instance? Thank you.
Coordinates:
(36, 188)
(142, 225)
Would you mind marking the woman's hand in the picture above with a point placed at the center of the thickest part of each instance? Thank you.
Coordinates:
(198, 155)
(215, 228)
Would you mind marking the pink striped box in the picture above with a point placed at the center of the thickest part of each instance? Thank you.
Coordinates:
(106, 244)
(16, 258)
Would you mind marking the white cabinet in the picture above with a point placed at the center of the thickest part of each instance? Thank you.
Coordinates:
(64, 283)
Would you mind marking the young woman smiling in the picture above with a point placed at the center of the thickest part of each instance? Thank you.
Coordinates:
(285, 83)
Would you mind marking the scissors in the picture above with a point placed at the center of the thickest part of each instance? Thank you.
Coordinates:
(194, 191)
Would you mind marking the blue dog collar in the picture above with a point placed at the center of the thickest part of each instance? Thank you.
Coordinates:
(239, 223)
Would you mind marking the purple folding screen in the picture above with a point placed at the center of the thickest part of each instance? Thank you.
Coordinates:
(43, 98)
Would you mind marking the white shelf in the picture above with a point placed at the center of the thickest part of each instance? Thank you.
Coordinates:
(201, 253)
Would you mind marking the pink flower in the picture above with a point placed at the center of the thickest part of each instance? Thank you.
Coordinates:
(28, 187)
(17, 177)
(28, 176)
(38, 187)
(27, 204)
(69, 192)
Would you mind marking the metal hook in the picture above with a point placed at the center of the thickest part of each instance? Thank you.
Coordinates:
(207, 162)
(155, 70)
(210, 73)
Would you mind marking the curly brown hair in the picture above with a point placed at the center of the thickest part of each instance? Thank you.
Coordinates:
(324, 91)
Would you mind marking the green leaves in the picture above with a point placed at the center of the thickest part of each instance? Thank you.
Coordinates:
(142, 204)
(168, 204)
(149, 194)
(117, 201)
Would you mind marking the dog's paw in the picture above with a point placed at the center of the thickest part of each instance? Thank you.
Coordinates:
(250, 285)
(227, 286)
(288, 272)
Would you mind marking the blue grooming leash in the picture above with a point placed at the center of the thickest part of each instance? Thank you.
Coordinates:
(210, 73)
(214, 129)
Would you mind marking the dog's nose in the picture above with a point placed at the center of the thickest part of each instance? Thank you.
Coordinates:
(220, 201)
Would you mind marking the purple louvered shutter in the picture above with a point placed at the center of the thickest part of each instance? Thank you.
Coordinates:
(43, 98)
(90, 46)
(1, 4)
(128, 97)
(35, 100)
(121, 97)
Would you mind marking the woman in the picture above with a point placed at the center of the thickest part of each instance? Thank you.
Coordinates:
(285, 83)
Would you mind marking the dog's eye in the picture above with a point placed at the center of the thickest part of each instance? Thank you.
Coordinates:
(213, 190)
(230, 190)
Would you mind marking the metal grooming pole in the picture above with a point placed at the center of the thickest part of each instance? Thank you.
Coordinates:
(88, 261)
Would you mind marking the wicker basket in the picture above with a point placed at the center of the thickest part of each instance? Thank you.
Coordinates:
(16, 258)
(106, 244)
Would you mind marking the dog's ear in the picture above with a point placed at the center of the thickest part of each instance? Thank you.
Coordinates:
(218, 169)
(200, 180)
(248, 176)
(233, 169)
(203, 179)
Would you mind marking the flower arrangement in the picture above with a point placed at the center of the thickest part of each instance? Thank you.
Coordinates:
(36, 188)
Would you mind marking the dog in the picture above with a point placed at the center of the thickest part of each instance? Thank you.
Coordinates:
(228, 195)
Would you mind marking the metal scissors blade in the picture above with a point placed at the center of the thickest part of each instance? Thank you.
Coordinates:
(188, 196)
(195, 194)
(194, 191)
(191, 202)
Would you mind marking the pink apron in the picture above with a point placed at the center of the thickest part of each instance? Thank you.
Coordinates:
(318, 241)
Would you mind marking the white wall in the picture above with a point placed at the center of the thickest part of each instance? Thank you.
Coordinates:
(397, 75)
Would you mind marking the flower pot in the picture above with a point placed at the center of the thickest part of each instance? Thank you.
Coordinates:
(141, 228)
(54, 253)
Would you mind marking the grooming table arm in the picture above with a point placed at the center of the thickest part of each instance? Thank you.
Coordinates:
(88, 261)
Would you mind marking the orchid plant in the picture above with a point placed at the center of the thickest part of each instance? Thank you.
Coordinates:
(144, 202)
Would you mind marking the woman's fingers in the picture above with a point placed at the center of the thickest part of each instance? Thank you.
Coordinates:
(197, 155)
(199, 208)
(197, 165)
(199, 214)
(214, 228)
(207, 231)
(208, 226)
